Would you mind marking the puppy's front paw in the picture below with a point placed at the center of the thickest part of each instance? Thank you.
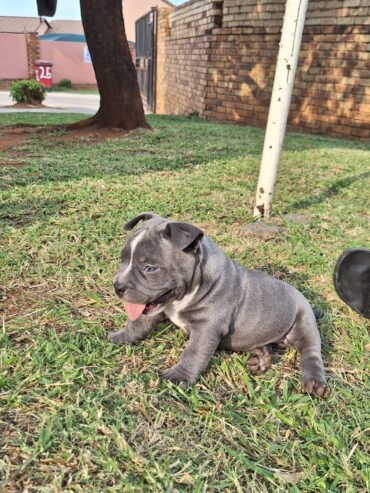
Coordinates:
(315, 387)
(120, 337)
(179, 374)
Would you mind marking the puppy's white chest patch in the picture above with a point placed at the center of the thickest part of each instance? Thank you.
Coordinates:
(173, 310)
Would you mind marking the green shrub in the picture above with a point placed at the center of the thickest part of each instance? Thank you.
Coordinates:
(27, 91)
(65, 84)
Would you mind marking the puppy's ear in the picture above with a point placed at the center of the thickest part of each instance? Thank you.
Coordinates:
(184, 235)
(144, 216)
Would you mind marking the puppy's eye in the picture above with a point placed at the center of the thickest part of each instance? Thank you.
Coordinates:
(150, 268)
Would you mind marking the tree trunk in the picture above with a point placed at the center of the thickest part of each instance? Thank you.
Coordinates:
(120, 100)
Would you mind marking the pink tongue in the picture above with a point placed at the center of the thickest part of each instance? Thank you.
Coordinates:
(134, 311)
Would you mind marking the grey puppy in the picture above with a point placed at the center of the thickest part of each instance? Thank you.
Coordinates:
(173, 268)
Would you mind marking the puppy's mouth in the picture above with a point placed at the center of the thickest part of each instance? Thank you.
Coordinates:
(135, 310)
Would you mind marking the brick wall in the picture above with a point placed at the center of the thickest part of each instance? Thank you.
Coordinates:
(218, 59)
(182, 57)
(33, 52)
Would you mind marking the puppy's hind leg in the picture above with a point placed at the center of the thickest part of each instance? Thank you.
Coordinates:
(304, 336)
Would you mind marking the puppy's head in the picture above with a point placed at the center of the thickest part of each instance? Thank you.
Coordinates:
(157, 263)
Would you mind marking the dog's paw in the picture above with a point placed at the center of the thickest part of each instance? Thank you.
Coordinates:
(119, 337)
(259, 359)
(315, 387)
(178, 374)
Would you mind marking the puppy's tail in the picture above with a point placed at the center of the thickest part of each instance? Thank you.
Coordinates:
(318, 313)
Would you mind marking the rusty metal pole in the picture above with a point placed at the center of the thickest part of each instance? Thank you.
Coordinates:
(286, 67)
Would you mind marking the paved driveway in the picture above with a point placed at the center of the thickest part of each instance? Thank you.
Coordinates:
(58, 102)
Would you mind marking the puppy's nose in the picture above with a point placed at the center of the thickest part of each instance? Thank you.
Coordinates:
(119, 288)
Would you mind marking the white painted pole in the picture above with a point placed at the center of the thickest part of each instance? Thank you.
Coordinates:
(286, 67)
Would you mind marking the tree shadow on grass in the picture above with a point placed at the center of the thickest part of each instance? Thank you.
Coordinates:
(22, 213)
(176, 143)
(331, 191)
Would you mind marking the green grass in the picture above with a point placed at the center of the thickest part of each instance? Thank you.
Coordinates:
(73, 90)
(78, 414)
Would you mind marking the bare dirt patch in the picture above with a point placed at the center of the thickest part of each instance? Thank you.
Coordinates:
(12, 302)
(11, 137)
(92, 133)
(25, 106)
(11, 164)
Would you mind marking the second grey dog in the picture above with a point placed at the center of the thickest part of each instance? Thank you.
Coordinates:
(173, 268)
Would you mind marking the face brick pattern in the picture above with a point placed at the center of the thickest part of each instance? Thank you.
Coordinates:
(217, 59)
